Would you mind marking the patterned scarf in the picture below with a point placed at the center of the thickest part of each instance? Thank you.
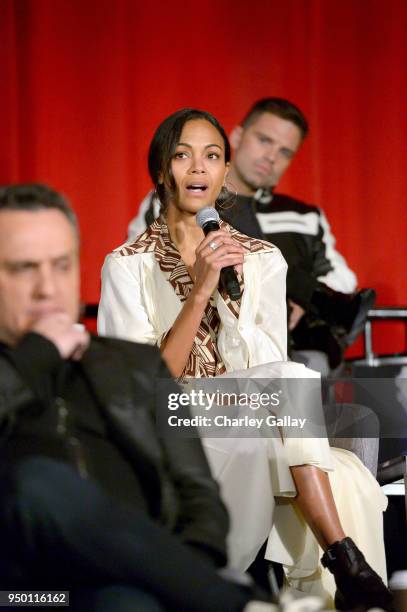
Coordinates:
(204, 359)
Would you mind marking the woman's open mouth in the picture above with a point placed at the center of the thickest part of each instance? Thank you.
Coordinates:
(197, 188)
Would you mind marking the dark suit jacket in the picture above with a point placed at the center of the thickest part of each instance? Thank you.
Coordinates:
(173, 472)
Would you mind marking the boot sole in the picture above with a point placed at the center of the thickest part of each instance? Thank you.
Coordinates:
(367, 300)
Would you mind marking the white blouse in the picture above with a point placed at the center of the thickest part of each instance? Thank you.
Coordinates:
(138, 303)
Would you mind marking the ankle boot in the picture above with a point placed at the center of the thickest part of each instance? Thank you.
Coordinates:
(311, 334)
(343, 310)
(358, 585)
(366, 299)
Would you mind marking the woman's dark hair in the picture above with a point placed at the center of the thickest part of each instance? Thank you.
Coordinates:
(164, 144)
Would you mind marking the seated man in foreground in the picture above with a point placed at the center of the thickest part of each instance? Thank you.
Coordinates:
(89, 492)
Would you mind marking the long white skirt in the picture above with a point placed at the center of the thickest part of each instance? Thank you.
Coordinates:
(256, 484)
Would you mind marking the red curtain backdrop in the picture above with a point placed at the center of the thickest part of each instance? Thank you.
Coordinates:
(85, 82)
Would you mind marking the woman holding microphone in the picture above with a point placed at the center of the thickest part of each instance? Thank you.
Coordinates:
(163, 289)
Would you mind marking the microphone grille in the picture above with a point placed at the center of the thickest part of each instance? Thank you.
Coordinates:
(207, 214)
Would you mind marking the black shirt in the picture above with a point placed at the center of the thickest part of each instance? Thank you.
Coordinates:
(64, 421)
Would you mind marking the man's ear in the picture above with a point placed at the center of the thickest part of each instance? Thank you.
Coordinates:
(236, 136)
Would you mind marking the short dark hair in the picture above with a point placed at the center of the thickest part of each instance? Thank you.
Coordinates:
(281, 108)
(34, 196)
(163, 146)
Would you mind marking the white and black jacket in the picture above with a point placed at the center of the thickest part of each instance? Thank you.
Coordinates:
(299, 230)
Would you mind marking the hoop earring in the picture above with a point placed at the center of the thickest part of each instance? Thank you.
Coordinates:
(227, 196)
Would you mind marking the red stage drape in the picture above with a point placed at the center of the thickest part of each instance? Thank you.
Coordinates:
(85, 82)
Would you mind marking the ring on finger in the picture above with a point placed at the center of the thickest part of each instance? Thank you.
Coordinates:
(213, 245)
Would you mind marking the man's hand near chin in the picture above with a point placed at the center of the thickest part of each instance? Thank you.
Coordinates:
(71, 339)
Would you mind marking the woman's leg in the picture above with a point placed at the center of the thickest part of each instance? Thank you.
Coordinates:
(317, 505)
(357, 583)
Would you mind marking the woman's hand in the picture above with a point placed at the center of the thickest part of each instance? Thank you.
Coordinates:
(210, 261)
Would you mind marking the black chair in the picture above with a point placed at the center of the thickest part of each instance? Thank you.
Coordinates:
(387, 395)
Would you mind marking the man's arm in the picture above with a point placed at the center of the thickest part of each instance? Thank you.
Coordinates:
(15, 394)
(24, 371)
(340, 277)
(329, 268)
(202, 519)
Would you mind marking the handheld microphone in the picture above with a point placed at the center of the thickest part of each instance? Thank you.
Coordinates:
(208, 220)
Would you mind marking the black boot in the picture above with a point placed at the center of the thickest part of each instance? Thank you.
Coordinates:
(314, 334)
(342, 310)
(366, 299)
(358, 585)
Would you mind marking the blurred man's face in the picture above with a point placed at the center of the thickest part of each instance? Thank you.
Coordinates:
(262, 152)
(39, 270)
